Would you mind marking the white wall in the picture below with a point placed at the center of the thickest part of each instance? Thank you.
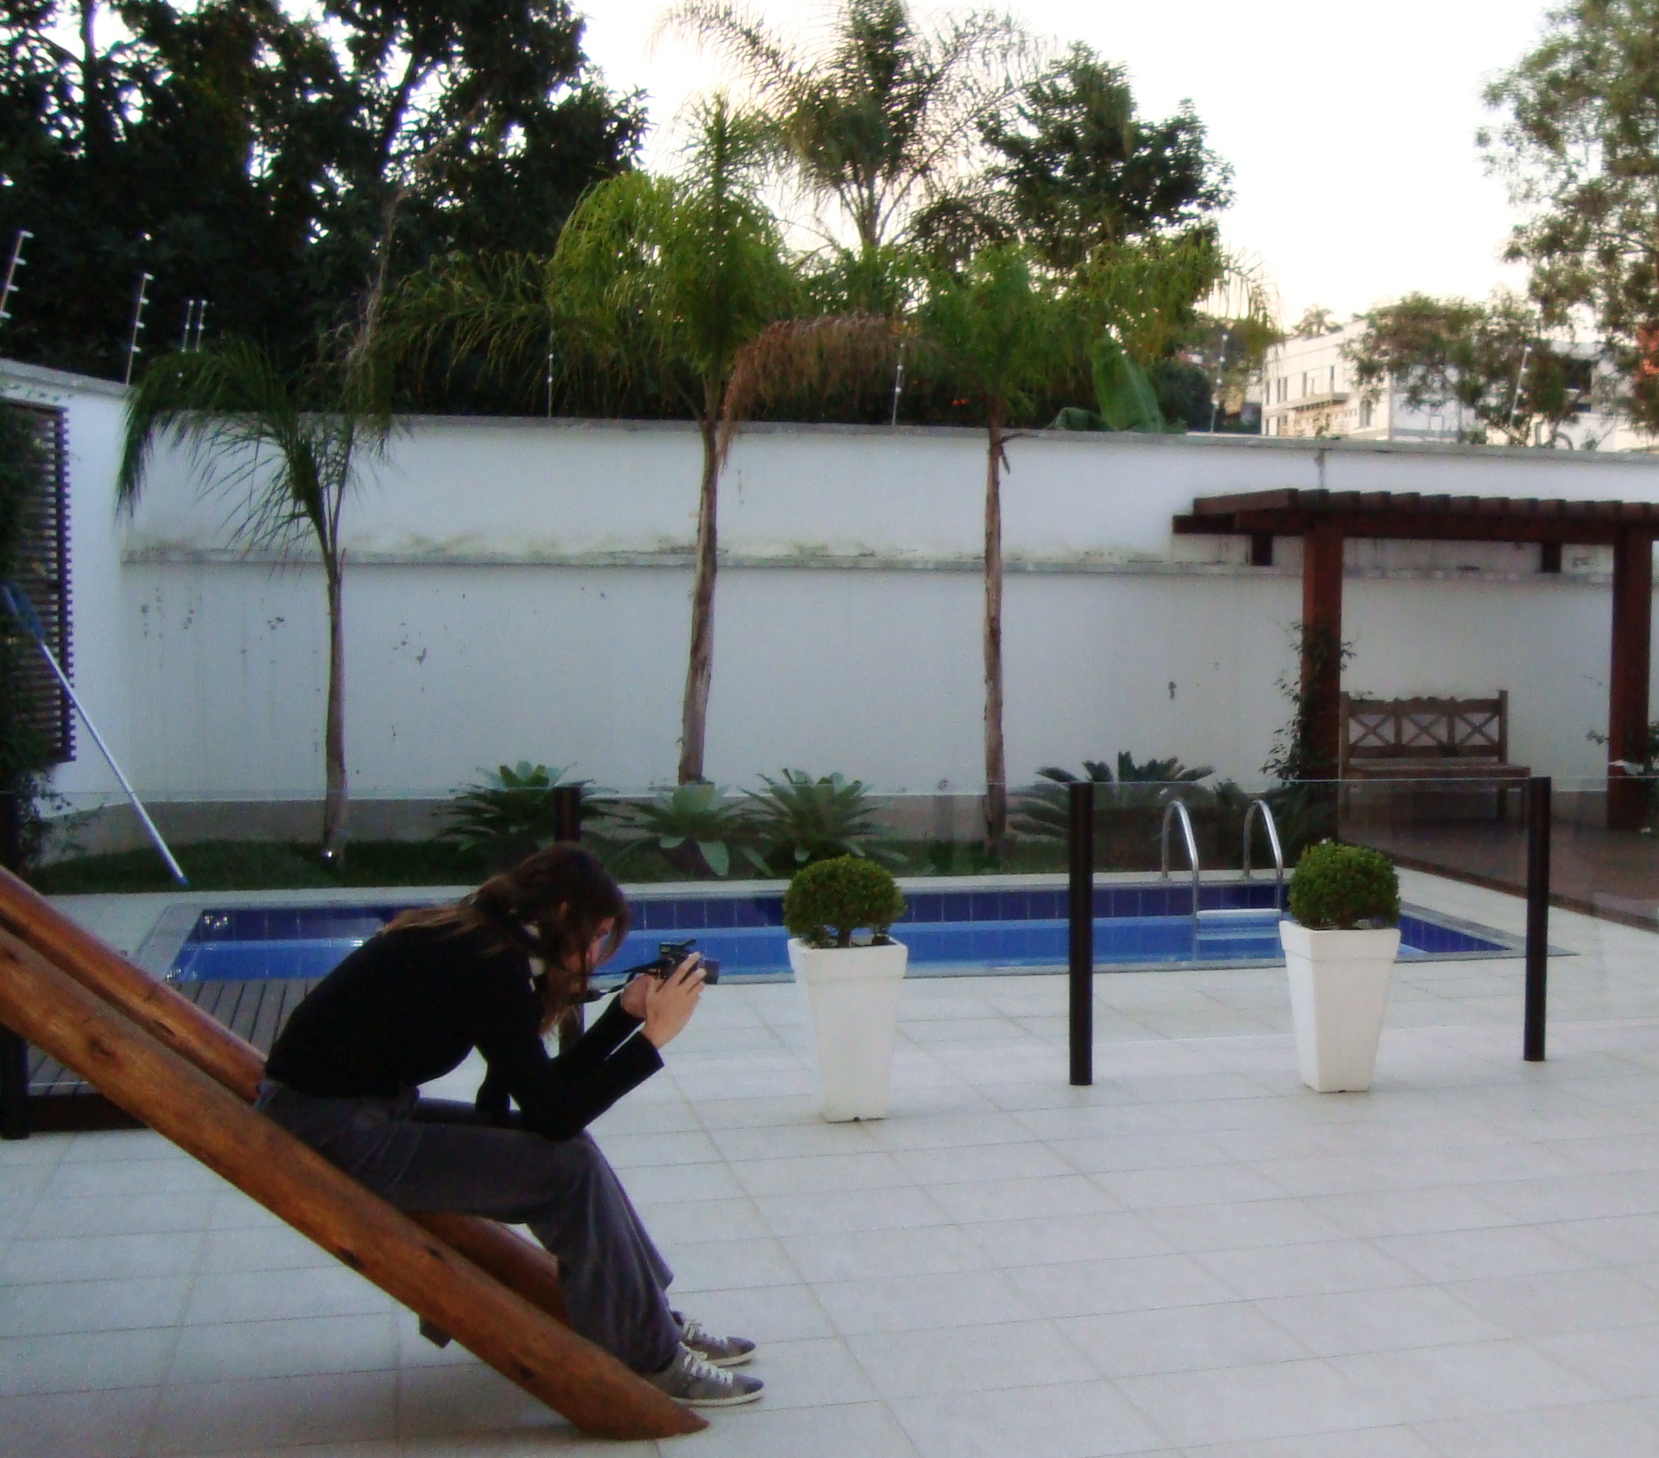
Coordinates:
(519, 589)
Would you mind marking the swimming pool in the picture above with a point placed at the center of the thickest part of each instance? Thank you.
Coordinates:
(949, 932)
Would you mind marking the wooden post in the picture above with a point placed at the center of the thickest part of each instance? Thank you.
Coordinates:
(1627, 710)
(179, 1025)
(264, 1161)
(1322, 646)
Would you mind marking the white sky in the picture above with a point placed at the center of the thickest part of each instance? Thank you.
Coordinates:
(1350, 128)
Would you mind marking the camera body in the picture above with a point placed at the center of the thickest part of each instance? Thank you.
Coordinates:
(671, 954)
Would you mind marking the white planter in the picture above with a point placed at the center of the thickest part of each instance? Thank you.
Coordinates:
(850, 999)
(1338, 990)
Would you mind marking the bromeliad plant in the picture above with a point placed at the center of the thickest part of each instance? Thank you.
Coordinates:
(829, 900)
(1043, 812)
(697, 828)
(511, 813)
(1338, 887)
(799, 820)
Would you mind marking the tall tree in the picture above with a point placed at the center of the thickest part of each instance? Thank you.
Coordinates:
(661, 280)
(243, 153)
(1580, 149)
(289, 447)
(1073, 166)
(1509, 382)
(1002, 332)
(877, 117)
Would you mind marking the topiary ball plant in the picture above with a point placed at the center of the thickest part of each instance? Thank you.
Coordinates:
(828, 900)
(1344, 888)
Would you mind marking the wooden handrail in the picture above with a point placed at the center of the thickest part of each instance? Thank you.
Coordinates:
(264, 1161)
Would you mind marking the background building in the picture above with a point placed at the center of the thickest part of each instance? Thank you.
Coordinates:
(1308, 388)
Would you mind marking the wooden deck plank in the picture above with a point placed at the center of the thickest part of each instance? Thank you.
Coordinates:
(253, 1008)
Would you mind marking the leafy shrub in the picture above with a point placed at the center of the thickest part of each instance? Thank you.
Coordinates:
(1343, 887)
(828, 900)
(696, 828)
(799, 819)
(511, 814)
(1044, 810)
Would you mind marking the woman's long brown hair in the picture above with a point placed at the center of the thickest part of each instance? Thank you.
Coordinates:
(549, 906)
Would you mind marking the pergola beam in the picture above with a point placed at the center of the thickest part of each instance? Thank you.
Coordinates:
(1627, 699)
(1324, 519)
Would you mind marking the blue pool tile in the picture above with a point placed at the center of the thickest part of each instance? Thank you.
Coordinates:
(690, 914)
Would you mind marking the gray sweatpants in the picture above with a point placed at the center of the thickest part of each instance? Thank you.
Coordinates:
(426, 1155)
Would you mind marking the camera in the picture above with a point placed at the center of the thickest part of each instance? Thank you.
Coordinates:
(670, 955)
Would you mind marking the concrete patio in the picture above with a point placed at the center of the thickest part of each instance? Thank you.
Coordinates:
(1194, 1257)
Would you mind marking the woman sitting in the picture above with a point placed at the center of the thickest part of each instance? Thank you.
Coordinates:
(497, 971)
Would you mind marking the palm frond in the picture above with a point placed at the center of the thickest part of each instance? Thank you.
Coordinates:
(796, 355)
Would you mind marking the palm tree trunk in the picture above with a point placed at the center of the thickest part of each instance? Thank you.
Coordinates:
(700, 668)
(334, 730)
(996, 768)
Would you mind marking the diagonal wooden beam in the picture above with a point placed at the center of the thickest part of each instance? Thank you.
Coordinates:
(234, 1063)
(264, 1161)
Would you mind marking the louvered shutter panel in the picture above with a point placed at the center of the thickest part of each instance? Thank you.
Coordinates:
(44, 578)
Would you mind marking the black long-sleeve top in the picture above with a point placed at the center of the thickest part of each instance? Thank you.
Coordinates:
(408, 1005)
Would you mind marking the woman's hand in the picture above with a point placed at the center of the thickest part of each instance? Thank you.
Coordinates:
(669, 1001)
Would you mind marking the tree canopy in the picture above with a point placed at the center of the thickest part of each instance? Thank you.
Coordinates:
(1580, 149)
(877, 116)
(1072, 166)
(1511, 384)
(246, 154)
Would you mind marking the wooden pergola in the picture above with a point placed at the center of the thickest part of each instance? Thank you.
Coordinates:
(1324, 519)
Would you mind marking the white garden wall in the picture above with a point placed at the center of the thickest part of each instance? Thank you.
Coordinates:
(519, 589)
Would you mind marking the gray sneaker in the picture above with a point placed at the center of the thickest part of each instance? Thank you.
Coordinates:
(689, 1379)
(717, 1351)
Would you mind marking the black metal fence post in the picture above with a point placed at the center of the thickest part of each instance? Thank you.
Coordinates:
(567, 826)
(567, 812)
(14, 1086)
(1080, 916)
(1538, 915)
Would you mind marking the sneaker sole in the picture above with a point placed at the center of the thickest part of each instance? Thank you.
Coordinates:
(735, 1400)
(742, 1359)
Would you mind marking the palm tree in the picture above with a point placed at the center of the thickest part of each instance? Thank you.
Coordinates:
(878, 116)
(1002, 329)
(1004, 334)
(290, 445)
(654, 278)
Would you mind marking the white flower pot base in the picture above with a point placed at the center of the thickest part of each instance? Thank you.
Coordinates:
(850, 1001)
(1338, 993)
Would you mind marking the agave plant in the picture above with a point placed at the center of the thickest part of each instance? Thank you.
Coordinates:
(799, 819)
(511, 813)
(697, 829)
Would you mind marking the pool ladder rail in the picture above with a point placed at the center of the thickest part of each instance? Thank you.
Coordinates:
(1214, 927)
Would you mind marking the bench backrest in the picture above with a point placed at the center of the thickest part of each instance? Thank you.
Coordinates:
(1426, 728)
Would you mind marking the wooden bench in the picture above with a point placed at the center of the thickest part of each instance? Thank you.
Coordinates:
(1445, 740)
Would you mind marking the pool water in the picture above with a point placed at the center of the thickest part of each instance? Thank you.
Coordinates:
(948, 932)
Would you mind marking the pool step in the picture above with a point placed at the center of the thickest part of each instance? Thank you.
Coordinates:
(1236, 931)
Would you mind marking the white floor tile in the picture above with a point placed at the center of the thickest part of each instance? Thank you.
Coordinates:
(865, 1429)
(1129, 1283)
(1077, 1420)
(968, 1359)
(1182, 1339)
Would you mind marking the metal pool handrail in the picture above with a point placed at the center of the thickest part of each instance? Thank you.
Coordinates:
(1178, 809)
(1272, 840)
